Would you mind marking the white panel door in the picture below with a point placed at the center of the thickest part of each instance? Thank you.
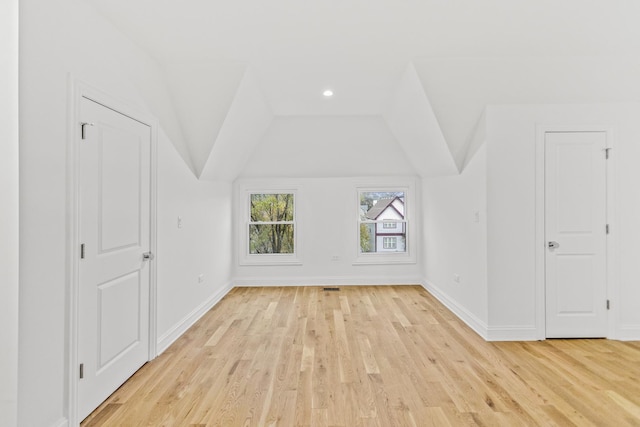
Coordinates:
(575, 228)
(113, 323)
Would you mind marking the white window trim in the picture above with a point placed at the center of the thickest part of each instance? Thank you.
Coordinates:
(409, 255)
(243, 209)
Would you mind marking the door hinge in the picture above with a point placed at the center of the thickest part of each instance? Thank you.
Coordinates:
(82, 131)
(608, 305)
(81, 370)
(607, 228)
(82, 251)
(606, 153)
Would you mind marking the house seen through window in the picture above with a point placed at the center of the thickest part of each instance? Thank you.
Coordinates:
(382, 221)
(272, 223)
(389, 242)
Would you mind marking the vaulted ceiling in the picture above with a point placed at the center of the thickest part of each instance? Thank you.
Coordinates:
(427, 68)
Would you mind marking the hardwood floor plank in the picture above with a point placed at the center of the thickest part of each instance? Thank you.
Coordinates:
(627, 405)
(344, 305)
(436, 417)
(370, 356)
(102, 416)
(345, 363)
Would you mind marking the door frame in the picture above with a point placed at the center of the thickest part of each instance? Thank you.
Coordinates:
(77, 91)
(540, 240)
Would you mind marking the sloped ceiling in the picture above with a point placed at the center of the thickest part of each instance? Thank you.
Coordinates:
(202, 94)
(245, 124)
(411, 119)
(327, 146)
(460, 88)
(428, 67)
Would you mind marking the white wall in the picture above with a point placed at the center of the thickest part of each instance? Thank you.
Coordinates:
(326, 158)
(201, 246)
(511, 138)
(455, 240)
(328, 211)
(9, 213)
(498, 253)
(58, 38)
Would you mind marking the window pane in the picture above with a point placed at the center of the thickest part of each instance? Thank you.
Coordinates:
(383, 226)
(271, 207)
(367, 238)
(389, 242)
(382, 205)
(373, 239)
(271, 239)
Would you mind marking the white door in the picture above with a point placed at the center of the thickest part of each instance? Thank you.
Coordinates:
(113, 324)
(575, 228)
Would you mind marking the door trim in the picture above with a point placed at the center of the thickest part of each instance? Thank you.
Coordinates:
(540, 242)
(78, 90)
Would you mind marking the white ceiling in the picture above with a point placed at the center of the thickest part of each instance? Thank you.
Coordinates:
(363, 48)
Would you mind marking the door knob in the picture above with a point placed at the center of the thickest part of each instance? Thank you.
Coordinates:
(553, 245)
(148, 256)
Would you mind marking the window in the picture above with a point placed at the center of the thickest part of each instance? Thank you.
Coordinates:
(382, 222)
(268, 227)
(271, 223)
(389, 242)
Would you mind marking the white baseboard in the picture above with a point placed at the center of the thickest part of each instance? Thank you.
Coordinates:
(331, 281)
(629, 333)
(489, 333)
(181, 327)
(465, 315)
(62, 422)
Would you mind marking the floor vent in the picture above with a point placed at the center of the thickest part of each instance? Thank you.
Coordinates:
(330, 289)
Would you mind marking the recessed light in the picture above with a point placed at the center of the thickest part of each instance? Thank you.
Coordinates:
(328, 93)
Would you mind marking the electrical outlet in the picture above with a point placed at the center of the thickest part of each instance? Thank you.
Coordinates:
(179, 222)
(201, 278)
(335, 258)
(476, 216)
(456, 277)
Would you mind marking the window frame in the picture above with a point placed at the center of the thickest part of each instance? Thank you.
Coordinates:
(410, 232)
(245, 256)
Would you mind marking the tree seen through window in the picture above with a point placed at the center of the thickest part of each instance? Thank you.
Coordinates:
(271, 225)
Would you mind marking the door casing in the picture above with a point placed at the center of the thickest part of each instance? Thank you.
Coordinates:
(540, 237)
(77, 91)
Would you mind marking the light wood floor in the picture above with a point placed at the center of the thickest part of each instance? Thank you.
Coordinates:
(370, 356)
